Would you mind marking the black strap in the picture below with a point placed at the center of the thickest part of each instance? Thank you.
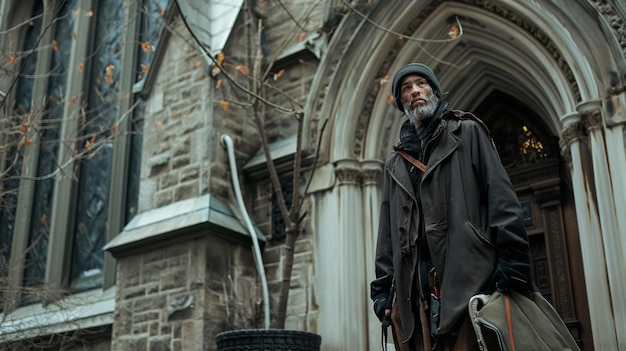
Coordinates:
(384, 337)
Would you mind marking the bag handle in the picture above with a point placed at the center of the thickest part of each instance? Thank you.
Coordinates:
(414, 162)
(509, 320)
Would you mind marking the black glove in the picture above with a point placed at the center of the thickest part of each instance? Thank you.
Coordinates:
(512, 272)
(380, 304)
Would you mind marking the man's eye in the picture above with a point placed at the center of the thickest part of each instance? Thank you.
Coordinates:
(406, 88)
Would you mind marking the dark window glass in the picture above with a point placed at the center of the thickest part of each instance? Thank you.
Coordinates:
(278, 223)
(49, 135)
(95, 168)
(152, 27)
(12, 130)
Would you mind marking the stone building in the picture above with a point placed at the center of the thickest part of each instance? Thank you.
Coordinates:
(120, 228)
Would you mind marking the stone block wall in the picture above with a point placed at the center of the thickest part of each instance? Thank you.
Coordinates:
(178, 297)
(183, 157)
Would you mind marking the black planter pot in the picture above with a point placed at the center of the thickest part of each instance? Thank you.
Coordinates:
(268, 340)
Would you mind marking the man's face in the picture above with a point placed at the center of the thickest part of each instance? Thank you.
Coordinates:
(418, 99)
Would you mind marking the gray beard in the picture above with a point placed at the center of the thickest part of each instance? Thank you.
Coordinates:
(423, 112)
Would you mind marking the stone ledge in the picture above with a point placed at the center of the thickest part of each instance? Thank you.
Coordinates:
(81, 311)
(183, 220)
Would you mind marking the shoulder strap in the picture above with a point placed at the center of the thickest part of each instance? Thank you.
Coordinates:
(414, 162)
(509, 320)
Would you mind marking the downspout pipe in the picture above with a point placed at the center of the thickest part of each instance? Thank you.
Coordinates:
(228, 143)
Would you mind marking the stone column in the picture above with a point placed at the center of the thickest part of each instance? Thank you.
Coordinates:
(352, 259)
(372, 183)
(615, 262)
(603, 328)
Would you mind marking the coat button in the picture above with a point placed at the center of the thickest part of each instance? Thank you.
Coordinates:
(402, 230)
(405, 208)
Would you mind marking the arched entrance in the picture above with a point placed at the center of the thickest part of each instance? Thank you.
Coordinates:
(530, 153)
(515, 61)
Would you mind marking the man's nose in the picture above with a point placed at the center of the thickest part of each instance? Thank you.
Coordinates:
(415, 90)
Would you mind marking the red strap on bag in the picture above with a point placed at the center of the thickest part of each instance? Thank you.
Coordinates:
(507, 305)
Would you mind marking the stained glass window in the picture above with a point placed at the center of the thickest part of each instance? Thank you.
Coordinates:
(95, 170)
(12, 130)
(35, 268)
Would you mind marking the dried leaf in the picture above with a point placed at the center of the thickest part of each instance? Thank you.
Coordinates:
(26, 142)
(145, 46)
(89, 13)
(454, 32)
(220, 57)
(55, 46)
(262, 4)
(109, 70)
(74, 35)
(76, 12)
(400, 37)
(44, 218)
(279, 74)
(389, 98)
(174, 113)
(186, 117)
(114, 128)
(145, 68)
(161, 11)
(108, 79)
(260, 56)
(384, 80)
(159, 124)
(301, 36)
(242, 69)
(81, 68)
(197, 63)
(12, 60)
(224, 104)
(23, 128)
(218, 84)
(215, 71)
(73, 101)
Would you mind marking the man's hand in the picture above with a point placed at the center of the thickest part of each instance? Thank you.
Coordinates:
(380, 307)
(512, 272)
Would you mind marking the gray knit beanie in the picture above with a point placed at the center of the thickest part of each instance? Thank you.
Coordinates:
(414, 68)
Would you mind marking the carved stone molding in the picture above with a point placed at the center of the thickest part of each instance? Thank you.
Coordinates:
(591, 116)
(616, 23)
(574, 132)
(348, 172)
(592, 119)
(536, 33)
(372, 172)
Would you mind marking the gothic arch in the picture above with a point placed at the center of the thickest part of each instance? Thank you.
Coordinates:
(509, 46)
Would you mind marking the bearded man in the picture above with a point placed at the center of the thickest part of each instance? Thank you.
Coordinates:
(448, 230)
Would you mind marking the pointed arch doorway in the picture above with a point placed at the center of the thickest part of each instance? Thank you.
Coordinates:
(530, 153)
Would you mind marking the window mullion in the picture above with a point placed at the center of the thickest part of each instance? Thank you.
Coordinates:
(119, 172)
(63, 200)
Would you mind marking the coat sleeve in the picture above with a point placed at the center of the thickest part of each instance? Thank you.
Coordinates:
(505, 220)
(384, 251)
